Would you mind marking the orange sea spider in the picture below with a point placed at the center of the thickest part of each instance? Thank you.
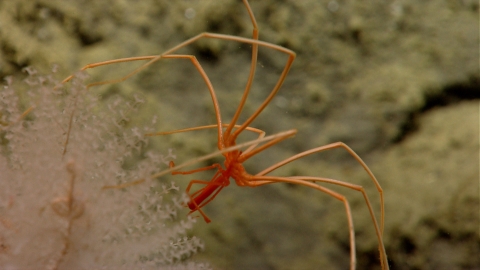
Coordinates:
(227, 134)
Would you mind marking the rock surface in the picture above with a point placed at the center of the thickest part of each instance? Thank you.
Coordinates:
(398, 81)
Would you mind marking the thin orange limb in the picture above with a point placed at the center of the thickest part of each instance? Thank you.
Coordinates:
(167, 54)
(260, 179)
(69, 129)
(283, 134)
(23, 115)
(378, 231)
(260, 132)
(263, 180)
(227, 140)
(256, 130)
(354, 155)
(253, 65)
(202, 169)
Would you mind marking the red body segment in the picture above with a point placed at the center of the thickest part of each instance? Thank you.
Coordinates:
(194, 203)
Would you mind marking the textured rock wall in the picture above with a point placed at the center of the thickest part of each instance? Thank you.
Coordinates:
(398, 81)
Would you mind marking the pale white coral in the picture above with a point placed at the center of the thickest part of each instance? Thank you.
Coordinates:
(53, 211)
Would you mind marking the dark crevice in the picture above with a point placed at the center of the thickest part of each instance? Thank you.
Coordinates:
(407, 245)
(369, 260)
(443, 234)
(408, 127)
(451, 95)
(12, 65)
(206, 54)
(86, 38)
(454, 93)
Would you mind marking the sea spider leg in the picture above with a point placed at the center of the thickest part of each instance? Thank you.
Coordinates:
(353, 154)
(222, 176)
(264, 180)
(221, 140)
(242, 178)
(260, 132)
(275, 137)
(270, 140)
(215, 186)
(168, 53)
(251, 75)
(261, 179)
